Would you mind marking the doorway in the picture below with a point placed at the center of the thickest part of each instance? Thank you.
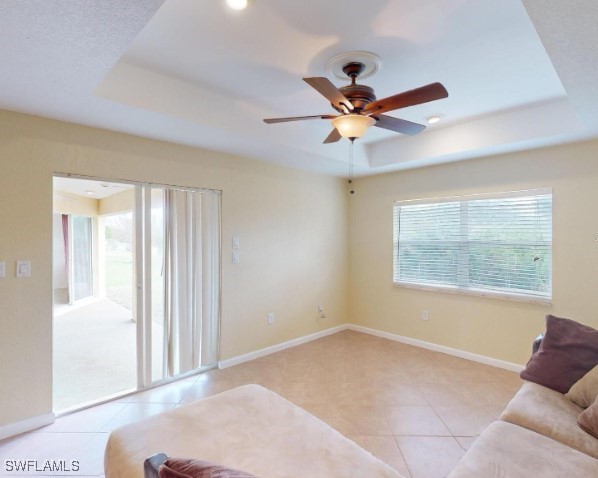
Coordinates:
(120, 322)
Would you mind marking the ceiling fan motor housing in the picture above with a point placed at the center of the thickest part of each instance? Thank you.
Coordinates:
(358, 95)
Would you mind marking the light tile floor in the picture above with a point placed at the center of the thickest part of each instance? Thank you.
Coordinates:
(415, 409)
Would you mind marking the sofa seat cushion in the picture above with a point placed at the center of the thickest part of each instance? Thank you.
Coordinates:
(508, 451)
(248, 428)
(551, 414)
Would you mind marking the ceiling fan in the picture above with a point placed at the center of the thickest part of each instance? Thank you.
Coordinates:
(359, 109)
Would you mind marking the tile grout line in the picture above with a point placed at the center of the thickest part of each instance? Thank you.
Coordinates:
(403, 455)
(397, 443)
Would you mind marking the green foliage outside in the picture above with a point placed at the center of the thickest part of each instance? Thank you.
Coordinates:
(119, 269)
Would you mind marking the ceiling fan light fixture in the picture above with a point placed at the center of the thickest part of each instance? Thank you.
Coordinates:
(238, 4)
(353, 125)
(433, 119)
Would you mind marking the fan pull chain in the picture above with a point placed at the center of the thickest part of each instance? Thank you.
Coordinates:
(351, 190)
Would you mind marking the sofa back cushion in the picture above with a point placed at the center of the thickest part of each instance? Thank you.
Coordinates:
(567, 352)
(585, 390)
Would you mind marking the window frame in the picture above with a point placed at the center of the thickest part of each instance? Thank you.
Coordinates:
(464, 289)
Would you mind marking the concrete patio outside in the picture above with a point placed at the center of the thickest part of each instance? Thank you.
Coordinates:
(95, 352)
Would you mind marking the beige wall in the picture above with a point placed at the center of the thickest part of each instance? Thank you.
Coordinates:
(67, 203)
(123, 201)
(292, 226)
(492, 327)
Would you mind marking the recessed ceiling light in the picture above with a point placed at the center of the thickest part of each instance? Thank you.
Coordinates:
(433, 119)
(89, 192)
(237, 4)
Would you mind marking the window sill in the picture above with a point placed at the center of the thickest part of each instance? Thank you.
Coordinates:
(546, 301)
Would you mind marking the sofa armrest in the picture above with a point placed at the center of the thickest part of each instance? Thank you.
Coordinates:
(151, 465)
(536, 344)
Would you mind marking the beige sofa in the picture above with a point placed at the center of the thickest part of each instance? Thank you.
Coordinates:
(537, 435)
(248, 428)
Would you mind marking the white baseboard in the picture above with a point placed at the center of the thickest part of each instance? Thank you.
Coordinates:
(26, 425)
(439, 348)
(278, 347)
(378, 333)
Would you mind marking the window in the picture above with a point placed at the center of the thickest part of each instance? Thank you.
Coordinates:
(498, 244)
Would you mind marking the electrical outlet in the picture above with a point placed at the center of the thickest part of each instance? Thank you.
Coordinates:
(596, 236)
(270, 318)
(425, 315)
(321, 311)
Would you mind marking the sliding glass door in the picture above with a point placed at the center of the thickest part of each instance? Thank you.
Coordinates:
(149, 258)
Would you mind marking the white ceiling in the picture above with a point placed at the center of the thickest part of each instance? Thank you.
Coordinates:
(88, 188)
(194, 72)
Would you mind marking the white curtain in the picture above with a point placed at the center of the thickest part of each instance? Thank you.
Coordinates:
(192, 279)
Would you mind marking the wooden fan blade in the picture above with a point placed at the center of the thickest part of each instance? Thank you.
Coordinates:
(425, 94)
(325, 87)
(399, 125)
(333, 137)
(297, 118)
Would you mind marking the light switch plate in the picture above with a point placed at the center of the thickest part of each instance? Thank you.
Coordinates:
(2, 269)
(236, 257)
(236, 242)
(23, 268)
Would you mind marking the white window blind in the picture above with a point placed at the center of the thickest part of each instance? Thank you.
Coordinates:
(499, 244)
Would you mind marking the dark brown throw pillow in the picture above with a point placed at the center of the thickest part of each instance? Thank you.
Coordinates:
(588, 419)
(568, 351)
(189, 468)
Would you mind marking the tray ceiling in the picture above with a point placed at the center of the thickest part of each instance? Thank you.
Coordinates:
(196, 73)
